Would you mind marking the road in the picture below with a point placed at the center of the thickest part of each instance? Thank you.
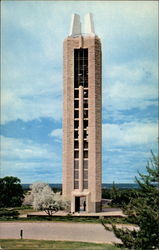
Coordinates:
(86, 232)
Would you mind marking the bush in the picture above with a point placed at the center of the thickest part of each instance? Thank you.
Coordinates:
(106, 193)
(122, 197)
(8, 213)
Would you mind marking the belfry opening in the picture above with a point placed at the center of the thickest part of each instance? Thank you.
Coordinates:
(82, 135)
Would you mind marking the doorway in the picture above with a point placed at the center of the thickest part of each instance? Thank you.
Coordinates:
(77, 204)
(80, 204)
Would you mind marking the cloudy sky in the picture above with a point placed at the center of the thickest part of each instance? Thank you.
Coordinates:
(32, 92)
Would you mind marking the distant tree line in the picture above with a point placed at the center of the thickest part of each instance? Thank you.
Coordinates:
(120, 196)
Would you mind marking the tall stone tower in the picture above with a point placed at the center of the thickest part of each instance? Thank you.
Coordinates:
(82, 107)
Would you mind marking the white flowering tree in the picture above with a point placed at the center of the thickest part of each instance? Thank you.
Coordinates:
(28, 199)
(44, 199)
(36, 188)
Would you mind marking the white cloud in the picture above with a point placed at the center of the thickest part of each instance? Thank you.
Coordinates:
(30, 172)
(129, 134)
(30, 161)
(130, 86)
(15, 107)
(21, 149)
(121, 162)
(32, 60)
(57, 133)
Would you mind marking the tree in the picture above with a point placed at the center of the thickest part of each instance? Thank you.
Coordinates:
(122, 197)
(43, 198)
(36, 188)
(28, 199)
(11, 192)
(143, 211)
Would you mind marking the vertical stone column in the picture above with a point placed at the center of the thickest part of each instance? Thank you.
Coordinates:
(80, 138)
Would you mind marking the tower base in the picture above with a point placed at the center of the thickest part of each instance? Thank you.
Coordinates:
(81, 202)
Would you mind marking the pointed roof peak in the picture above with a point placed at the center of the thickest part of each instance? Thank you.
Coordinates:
(75, 28)
(89, 24)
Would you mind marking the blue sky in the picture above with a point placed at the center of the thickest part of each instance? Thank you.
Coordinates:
(32, 61)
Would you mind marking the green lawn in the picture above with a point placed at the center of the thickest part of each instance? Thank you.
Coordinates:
(65, 219)
(26, 210)
(44, 244)
(20, 210)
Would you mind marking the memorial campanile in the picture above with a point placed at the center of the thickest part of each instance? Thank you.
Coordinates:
(82, 115)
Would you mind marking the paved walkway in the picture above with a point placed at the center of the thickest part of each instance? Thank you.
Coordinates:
(106, 213)
(86, 232)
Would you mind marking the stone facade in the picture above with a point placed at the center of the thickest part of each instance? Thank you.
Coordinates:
(92, 192)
